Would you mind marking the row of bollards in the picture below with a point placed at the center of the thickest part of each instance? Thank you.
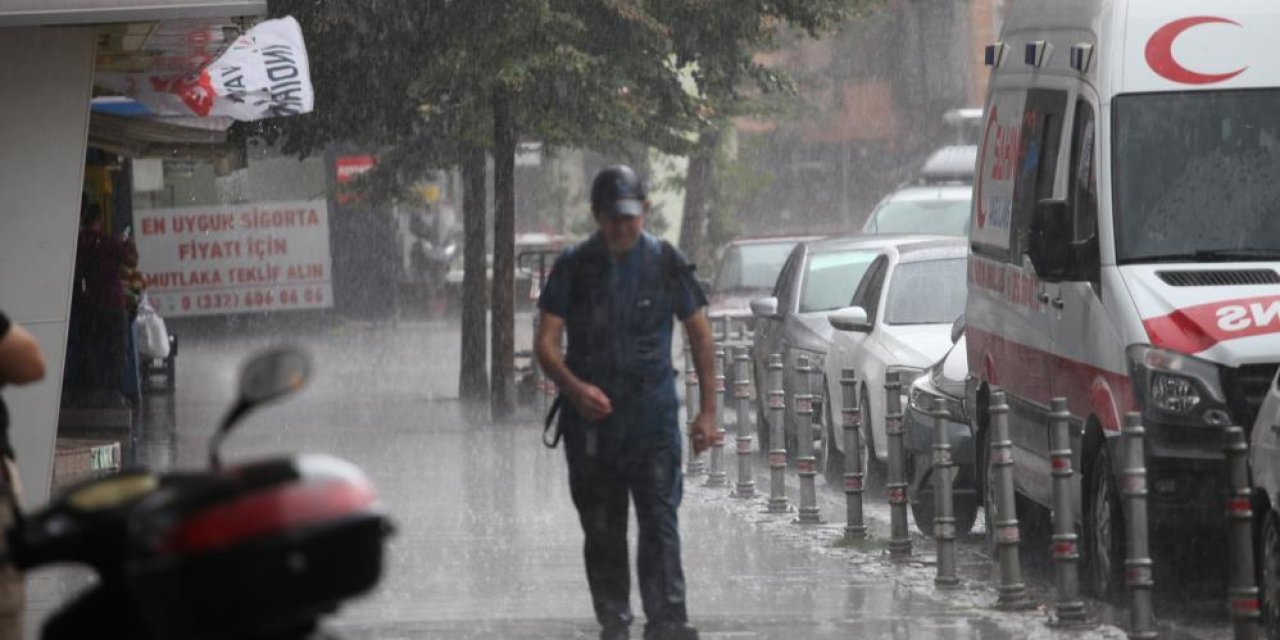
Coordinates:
(896, 487)
(944, 519)
(806, 463)
(715, 471)
(777, 442)
(1069, 610)
(746, 485)
(1013, 591)
(851, 421)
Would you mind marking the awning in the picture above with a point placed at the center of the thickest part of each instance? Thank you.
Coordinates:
(192, 138)
(22, 13)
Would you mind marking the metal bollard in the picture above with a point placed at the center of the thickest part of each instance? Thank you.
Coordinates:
(716, 474)
(944, 518)
(851, 419)
(1013, 591)
(1069, 608)
(1246, 617)
(778, 451)
(899, 535)
(805, 462)
(746, 486)
(1137, 566)
(696, 466)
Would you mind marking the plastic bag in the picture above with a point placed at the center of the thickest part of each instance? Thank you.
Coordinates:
(153, 338)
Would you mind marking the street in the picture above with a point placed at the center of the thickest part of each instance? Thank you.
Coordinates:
(487, 544)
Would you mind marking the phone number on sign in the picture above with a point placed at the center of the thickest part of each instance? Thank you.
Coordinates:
(253, 299)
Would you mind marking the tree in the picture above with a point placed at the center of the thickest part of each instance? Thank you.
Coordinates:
(719, 42)
(442, 81)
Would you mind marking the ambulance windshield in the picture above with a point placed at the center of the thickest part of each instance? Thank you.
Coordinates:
(1197, 176)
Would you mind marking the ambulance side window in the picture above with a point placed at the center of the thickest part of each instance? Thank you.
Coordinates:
(1037, 162)
(1084, 192)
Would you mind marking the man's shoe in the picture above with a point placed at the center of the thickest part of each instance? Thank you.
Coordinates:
(616, 633)
(671, 631)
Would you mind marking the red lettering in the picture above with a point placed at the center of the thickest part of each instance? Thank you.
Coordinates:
(153, 226)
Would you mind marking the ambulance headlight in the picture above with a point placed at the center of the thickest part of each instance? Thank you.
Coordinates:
(1175, 394)
(1174, 384)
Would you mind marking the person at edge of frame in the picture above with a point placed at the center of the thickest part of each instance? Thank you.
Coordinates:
(615, 295)
(21, 362)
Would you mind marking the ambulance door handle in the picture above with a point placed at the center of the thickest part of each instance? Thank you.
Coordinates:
(1058, 304)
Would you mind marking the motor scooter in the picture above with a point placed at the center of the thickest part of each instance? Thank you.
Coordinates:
(257, 550)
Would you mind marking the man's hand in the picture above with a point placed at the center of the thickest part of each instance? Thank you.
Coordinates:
(703, 431)
(590, 401)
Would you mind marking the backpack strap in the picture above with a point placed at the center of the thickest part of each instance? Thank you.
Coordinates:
(550, 437)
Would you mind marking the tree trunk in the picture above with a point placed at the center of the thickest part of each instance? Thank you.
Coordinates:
(473, 378)
(693, 226)
(502, 365)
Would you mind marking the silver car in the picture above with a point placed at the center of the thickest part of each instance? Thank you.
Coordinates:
(817, 278)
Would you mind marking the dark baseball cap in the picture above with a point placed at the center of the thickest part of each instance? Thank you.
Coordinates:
(618, 191)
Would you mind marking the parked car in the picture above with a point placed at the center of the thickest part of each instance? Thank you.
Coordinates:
(941, 209)
(899, 320)
(818, 277)
(1264, 462)
(950, 164)
(748, 268)
(945, 382)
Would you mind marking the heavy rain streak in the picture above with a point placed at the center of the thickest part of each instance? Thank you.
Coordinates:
(911, 319)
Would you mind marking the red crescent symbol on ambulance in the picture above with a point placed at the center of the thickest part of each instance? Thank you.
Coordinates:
(1160, 52)
(986, 139)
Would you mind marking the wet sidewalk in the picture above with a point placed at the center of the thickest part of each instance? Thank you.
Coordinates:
(488, 544)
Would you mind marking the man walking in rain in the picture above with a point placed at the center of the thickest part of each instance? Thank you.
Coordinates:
(615, 294)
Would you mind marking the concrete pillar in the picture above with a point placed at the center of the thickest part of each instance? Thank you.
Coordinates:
(45, 85)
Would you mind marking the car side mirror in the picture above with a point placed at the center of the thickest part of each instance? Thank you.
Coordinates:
(765, 308)
(1049, 240)
(957, 329)
(850, 319)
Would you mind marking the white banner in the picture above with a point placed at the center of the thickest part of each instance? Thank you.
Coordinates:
(236, 259)
(265, 73)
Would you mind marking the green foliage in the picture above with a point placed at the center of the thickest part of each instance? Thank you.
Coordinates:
(418, 76)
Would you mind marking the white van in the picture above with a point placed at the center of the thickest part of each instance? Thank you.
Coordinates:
(1125, 244)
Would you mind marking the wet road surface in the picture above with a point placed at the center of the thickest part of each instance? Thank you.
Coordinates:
(487, 542)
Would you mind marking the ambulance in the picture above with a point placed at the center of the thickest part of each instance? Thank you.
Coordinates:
(1125, 251)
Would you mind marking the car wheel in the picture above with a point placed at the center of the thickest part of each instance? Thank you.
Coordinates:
(1104, 530)
(1269, 574)
(988, 488)
(922, 510)
(874, 472)
(762, 431)
(966, 513)
(832, 458)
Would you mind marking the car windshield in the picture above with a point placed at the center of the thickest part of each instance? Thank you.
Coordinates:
(948, 217)
(1195, 176)
(752, 266)
(930, 292)
(831, 278)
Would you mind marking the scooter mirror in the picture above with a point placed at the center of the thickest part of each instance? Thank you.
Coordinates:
(265, 377)
(273, 374)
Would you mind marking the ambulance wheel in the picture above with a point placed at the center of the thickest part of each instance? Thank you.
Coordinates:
(1269, 573)
(1104, 532)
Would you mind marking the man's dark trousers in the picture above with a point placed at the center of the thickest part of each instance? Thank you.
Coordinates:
(609, 462)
